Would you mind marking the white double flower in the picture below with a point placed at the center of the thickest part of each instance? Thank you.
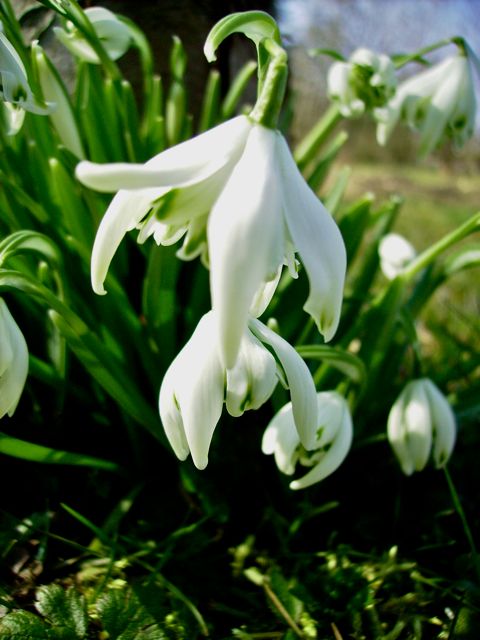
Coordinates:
(439, 103)
(421, 423)
(364, 82)
(197, 385)
(236, 190)
(330, 440)
(13, 362)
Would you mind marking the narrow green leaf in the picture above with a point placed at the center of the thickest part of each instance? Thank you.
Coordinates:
(354, 223)
(130, 123)
(209, 115)
(22, 198)
(466, 258)
(153, 123)
(309, 146)
(322, 167)
(26, 240)
(326, 52)
(110, 374)
(66, 194)
(348, 363)
(159, 300)
(98, 533)
(38, 453)
(335, 195)
(237, 89)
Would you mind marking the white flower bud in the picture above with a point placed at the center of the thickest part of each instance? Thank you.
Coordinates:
(13, 362)
(421, 424)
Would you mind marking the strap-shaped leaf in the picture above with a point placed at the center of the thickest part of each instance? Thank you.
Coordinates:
(46, 455)
(348, 363)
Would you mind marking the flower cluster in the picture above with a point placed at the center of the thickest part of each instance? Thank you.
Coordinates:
(236, 197)
(439, 102)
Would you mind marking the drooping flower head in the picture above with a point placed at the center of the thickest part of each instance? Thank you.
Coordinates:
(54, 92)
(197, 385)
(15, 90)
(421, 424)
(113, 33)
(237, 196)
(13, 361)
(331, 440)
(363, 83)
(439, 103)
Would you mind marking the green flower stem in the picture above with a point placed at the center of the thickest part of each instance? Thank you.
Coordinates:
(401, 61)
(468, 532)
(380, 324)
(323, 165)
(272, 91)
(142, 45)
(211, 102)
(430, 254)
(237, 87)
(308, 147)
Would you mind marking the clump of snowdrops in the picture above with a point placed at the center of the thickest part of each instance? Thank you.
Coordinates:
(233, 278)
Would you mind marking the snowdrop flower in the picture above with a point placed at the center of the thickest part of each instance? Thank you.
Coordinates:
(439, 103)
(197, 385)
(114, 35)
(238, 189)
(15, 90)
(421, 423)
(395, 254)
(13, 362)
(332, 437)
(366, 81)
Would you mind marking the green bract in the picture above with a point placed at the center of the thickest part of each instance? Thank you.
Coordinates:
(256, 25)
